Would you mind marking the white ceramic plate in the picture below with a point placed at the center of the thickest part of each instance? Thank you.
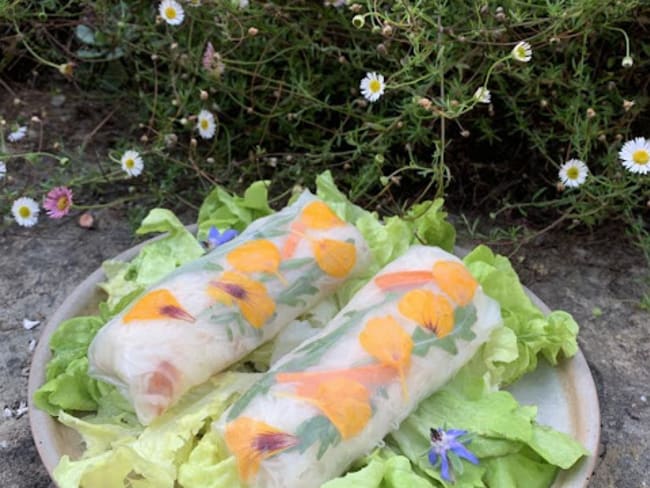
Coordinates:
(565, 395)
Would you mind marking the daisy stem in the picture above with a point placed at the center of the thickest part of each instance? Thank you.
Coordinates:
(107, 204)
(31, 51)
(627, 39)
(491, 68)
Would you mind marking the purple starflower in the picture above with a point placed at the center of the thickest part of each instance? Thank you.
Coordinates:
(444, 441)
(216, 238)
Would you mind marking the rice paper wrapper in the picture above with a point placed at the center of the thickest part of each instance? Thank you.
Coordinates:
(336, 396)
(213, 311)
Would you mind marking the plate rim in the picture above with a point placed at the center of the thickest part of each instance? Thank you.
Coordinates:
(42, 424)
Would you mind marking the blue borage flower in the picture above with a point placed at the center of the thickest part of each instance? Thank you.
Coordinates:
(447, 446)
(216, 238)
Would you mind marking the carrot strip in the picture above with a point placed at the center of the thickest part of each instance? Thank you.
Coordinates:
(367, 375)
(296, 230)
(400, 279)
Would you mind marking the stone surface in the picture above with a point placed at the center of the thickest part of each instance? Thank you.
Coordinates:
(599, 281)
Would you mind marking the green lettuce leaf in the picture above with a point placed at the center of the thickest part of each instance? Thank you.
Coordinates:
(552, 336)
(151, 456)
(226, 211)
(154, 261)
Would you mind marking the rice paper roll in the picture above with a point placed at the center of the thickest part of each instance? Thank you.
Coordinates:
(338, 394)
(213, 311)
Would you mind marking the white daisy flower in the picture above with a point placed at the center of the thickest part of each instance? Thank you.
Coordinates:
(573, 173)
(372, 86)
(635, 155)
(522, 52)
(482, 95)
(205, 124)
(172, 12)
(132, 163)
(25, 211)
(18, 134)
(3, 169)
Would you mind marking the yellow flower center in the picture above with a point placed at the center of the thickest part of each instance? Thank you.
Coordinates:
(641, 156)
(521, 52)
(24, 212)
(170, 12)
(62, 203)
(129, 163)
(375, 86)
(204, 124)
(573, 173)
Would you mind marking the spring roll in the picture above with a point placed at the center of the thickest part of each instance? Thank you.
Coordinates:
(338, 394)
(213, 311)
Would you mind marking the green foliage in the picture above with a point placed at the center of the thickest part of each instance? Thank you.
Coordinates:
(283, 83)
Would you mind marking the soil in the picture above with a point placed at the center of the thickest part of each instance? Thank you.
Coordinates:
(600, 278)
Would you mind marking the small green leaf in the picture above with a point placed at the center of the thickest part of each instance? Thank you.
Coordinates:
(85, 34)
(290, 264)
(317, 429)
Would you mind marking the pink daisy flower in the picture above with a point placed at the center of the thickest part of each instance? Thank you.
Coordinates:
(58, 202)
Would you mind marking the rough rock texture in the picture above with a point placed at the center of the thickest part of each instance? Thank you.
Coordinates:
(600, 282)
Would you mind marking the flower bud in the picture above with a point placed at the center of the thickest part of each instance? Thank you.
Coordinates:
(358, 21)
(627, 62)
(67, 69)
(628, 104)
(387, 30)
(425, 103)
(465, 133)
(591, 113)
(193, 142)
(203, 95)
(253, 31)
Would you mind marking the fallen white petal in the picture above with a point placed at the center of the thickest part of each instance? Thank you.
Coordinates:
(7, 413)
(32, 345)
(21, 410)
(30, 324)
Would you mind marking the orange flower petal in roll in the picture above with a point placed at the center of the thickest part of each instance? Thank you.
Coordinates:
(345, 402)
(336, 258)
(157, 304)
(428, 310)
(454, 279)
(385, 340)
(317, 215)
(259, 255)
(251, 441)
(250, 296)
